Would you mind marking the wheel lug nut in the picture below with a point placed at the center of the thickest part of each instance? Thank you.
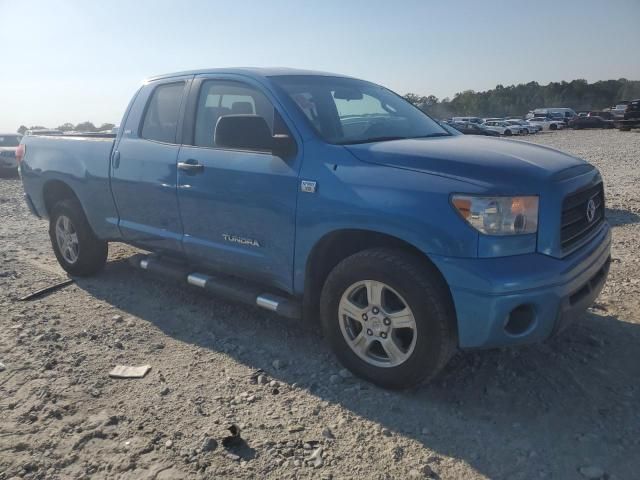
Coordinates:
(375, 310)
(383, 335)
(365, 317)
(369, 331)
(387, 322)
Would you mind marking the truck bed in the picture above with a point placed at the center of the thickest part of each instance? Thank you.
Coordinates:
(83, 162)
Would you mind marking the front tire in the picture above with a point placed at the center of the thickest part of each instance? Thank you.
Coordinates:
(78, 250)
(389, 318)
(507, 133)
(553, 126)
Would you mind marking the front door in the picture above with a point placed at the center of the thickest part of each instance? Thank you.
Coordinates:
(237, 206)
(144, 172)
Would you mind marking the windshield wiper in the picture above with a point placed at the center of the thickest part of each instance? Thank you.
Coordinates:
(373, 139)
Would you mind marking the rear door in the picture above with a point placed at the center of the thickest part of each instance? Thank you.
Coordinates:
(238, 206)
(143, 178)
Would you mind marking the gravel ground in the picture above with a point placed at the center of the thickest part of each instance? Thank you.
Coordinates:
(566, 409)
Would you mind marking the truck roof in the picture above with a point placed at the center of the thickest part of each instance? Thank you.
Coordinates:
(248, 71)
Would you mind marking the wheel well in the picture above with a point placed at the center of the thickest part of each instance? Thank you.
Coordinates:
(55, 191)
(335, 247)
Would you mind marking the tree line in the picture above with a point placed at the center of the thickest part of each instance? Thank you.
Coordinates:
(512, 100)
(518, 100)
(70, 127)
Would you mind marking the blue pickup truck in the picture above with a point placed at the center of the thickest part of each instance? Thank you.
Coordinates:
(334, 200)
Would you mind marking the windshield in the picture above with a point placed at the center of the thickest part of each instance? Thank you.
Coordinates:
(9, 140)
(347, 111)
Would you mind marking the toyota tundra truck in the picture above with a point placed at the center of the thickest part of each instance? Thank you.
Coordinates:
(332, 200)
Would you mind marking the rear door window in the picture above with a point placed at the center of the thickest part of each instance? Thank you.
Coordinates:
(163, 110)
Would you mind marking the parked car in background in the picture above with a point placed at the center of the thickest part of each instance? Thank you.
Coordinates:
(8, 145)
(297, 193)
(469, 128)
(449, 128)
(467, 119)
(619, 109)
(493, 119)
(504, 128)
(528, 127)
(605, 114)
(631, 116)
(555, 113)
(547, 123)
(593, 121)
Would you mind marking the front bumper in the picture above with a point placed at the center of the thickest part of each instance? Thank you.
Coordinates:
(557, 291)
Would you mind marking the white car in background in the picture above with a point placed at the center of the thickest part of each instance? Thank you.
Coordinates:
(529, 127)
(504, 128)
(547, 123)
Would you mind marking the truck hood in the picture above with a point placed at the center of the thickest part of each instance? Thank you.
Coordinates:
(492, 163)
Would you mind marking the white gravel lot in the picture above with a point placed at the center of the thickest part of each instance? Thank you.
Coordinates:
(566, 409)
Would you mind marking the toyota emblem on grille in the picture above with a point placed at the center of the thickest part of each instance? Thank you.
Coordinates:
(591, 210)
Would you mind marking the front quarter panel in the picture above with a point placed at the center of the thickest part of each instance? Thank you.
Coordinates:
(352, 194)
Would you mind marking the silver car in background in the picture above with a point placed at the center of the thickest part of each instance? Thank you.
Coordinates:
(529, 127)
(504, 128)
(547, 123)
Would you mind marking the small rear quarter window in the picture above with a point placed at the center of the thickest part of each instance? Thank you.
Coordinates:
(161, 117)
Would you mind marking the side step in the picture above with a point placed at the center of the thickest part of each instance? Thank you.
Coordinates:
(223, 286)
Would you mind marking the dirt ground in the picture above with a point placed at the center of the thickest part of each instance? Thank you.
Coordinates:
(566, 409)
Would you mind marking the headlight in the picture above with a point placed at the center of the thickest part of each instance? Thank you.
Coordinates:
(499, 215)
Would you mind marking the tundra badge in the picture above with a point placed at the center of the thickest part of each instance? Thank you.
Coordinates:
(240, 240)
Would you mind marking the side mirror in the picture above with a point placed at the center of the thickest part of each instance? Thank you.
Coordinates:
(251, 132)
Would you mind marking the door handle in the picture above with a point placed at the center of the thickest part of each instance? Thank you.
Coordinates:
(191, 167)
(116, 159)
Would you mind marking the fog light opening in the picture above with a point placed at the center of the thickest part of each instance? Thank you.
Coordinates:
(520, 320)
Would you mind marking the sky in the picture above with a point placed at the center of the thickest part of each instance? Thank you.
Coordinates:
(72, 61)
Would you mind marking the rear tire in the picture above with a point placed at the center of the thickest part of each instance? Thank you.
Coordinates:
(553, 126)
(507, 133)
(423, 330)
(75, 245)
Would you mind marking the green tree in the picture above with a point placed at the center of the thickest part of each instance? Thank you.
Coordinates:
(106, 127)
(85, 127)
(22, 130)
(517, 100)
(66, 127)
